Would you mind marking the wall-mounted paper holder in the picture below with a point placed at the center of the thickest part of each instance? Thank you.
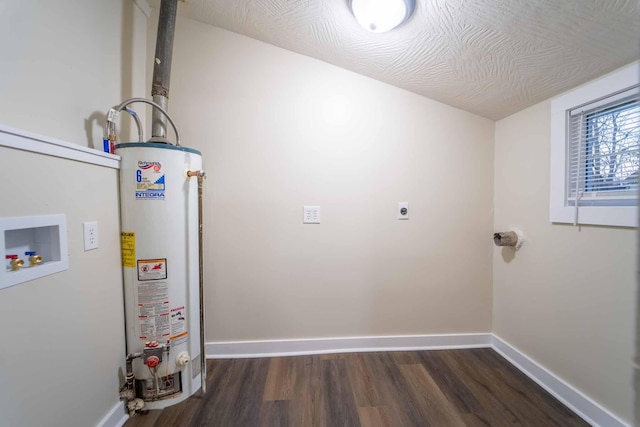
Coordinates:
(513, 238)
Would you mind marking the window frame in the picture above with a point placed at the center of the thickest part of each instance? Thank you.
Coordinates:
(559, 210)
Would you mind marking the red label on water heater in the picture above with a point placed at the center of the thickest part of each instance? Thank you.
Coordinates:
(152, 269)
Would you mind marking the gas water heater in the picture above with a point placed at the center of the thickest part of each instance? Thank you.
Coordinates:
(161, 226)
(161, 238)
(159, 214)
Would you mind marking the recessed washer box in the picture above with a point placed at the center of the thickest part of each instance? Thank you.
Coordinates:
(46, 235)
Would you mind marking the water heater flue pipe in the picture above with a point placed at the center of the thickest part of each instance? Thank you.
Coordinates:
(162, 67)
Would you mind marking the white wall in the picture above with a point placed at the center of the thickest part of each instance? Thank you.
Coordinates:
(567, 298)
(278, 131)
(64, 63)
(63, 335)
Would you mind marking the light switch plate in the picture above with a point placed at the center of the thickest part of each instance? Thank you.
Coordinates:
(311, 215)
(90, 235)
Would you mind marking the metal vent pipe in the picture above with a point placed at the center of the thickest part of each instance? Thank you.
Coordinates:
(162, 68)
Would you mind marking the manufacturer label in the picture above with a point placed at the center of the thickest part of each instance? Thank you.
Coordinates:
(128, 247)
(150, 179)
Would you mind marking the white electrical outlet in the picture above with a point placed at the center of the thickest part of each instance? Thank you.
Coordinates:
(90, 235)
(403, 210)
(311, 215)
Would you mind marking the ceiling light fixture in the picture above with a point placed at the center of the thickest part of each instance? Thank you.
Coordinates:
(379, 16)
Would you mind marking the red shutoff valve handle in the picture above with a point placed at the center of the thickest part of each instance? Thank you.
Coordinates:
(152, 361)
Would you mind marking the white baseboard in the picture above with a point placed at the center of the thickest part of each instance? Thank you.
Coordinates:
(116, 417)
(298, 347)
(583, 406)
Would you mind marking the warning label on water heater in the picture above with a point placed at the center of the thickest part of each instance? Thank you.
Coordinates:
(149, 181)
(178, 325)
(153, 311)
(152, 269)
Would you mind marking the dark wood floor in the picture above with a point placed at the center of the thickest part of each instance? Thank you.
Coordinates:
(400, 389)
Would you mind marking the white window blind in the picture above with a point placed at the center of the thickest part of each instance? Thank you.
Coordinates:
(603, 152)
(594, 151)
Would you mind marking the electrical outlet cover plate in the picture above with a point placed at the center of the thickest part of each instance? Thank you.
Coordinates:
(90, 235)
(403, 210)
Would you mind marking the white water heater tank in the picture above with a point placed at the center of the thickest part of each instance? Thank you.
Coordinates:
(159, 214)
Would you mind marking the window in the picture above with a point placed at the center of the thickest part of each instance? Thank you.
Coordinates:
(595, 152)
(603, 153)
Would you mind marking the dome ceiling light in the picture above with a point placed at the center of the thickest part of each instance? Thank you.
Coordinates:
(379, 16)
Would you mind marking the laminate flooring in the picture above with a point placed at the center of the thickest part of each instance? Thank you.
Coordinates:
(442, 388)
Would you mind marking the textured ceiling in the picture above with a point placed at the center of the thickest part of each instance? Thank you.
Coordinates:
(489, 57)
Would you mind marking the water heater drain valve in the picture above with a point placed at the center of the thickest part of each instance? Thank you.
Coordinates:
(183, 359)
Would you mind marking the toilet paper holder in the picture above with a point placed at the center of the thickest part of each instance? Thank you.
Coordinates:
(512, 238)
